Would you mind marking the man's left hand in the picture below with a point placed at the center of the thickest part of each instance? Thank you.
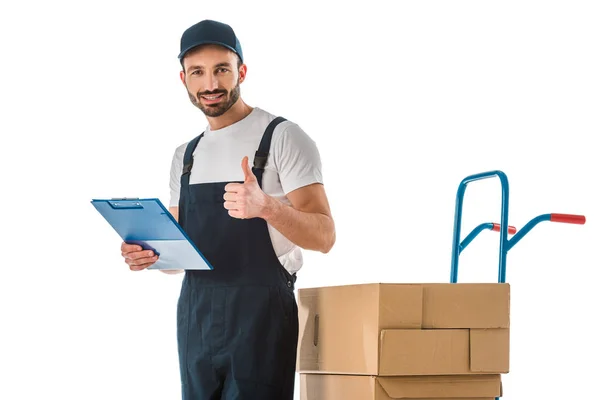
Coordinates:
(245, 200)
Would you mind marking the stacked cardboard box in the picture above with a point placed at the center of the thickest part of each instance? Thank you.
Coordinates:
(403, 341)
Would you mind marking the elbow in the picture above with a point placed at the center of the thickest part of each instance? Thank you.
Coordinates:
(328, 242)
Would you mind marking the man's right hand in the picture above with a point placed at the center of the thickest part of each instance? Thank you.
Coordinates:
(136, 258)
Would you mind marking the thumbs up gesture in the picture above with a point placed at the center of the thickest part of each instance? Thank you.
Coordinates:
(245, 200)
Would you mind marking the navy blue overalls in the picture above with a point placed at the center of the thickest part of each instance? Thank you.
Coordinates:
(237, 325)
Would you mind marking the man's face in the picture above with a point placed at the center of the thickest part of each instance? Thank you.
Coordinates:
(212, 79)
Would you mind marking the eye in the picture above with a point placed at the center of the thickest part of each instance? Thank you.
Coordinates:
(223, 70)
(196, 72)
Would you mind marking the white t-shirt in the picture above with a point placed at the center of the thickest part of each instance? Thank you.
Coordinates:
(293, 162)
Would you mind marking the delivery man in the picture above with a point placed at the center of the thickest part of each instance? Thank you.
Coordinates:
(249, 192)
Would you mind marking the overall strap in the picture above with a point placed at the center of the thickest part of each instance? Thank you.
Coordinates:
(188, 161)
(184, 190)
(262, 154)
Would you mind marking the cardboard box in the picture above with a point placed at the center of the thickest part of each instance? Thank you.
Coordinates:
(404, 329)
(349, 387)
(466, 305)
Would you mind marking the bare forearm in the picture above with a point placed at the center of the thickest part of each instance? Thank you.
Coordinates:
(311, 231)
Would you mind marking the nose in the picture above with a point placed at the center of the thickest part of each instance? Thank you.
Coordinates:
(211, 82)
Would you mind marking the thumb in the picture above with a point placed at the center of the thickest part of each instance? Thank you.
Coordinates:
(248, 174)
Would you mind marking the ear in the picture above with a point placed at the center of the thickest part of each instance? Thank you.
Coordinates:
(242, 71)
(182, 76)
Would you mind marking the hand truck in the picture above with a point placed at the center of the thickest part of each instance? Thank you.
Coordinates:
(505, 243)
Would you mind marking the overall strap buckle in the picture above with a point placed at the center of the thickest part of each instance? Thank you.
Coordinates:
(262, 154)
(188, 158)
(260, 160)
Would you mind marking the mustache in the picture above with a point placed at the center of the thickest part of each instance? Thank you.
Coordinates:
(210, 93)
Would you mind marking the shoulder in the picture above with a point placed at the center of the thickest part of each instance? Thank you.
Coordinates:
(291, 137)
(294, 152)
(295, 156)
(179, 154)
(181, 148)
(287, 131)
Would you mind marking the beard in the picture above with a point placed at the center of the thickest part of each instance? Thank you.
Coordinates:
(216, 110)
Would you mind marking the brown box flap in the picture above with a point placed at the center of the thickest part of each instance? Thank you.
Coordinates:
(466, 305)
(334, 320)
(336, 387)
(490, 350)
(424, 352)
(427, 387)
(357, 387)
(401, 306)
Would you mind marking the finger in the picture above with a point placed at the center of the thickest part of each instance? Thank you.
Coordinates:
(138, 254)
(128, 248)
(230, 196)
(231, 205)
(140, 267)
(248, 175)
(236, 214)
(141, 261)
(134, 255)
(233, 187)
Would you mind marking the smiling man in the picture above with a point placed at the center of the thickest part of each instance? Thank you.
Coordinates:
(249, 192)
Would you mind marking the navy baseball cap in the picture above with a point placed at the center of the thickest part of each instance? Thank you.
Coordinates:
(210, 32)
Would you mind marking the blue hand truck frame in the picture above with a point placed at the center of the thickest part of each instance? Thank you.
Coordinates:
(505, 243)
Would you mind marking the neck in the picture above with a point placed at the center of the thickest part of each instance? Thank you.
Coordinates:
(237, 112)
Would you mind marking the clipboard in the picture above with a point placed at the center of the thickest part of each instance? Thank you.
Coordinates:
(148, 223)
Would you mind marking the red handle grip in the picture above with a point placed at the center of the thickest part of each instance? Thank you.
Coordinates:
(511, 229)
(568, 218)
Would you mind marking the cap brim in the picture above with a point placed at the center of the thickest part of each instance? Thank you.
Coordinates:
(183, 52)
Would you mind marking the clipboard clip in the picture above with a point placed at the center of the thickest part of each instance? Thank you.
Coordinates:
(125, 203)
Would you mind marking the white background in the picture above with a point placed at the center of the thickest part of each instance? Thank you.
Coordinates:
(404, 100)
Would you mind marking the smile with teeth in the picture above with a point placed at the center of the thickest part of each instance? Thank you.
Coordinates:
(212, 97)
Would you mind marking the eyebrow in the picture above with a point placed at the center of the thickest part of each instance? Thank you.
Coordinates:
(219, 65)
